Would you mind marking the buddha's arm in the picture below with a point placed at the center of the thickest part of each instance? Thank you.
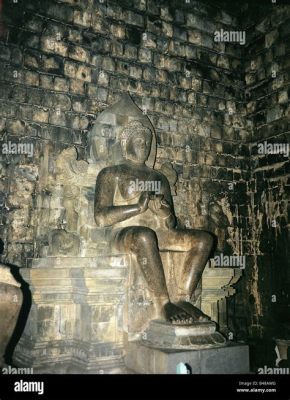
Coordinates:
(169, 217)
(106, 214)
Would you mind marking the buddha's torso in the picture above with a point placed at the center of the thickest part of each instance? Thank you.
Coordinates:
(124, 195)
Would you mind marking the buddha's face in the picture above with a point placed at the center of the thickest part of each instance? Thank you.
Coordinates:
(138, 147)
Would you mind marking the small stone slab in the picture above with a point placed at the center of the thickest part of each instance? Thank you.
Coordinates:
(195, 329)
(233, 358)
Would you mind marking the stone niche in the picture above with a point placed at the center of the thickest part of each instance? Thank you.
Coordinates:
(86, 302)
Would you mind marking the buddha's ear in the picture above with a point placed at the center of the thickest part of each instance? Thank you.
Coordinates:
(123, 144)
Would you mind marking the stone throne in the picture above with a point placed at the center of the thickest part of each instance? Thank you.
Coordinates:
(87, 305)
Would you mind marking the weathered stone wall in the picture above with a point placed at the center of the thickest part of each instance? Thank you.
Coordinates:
(263, 303)
(65, 61)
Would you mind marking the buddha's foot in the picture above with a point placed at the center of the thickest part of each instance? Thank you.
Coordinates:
(196, 314)
(176, 315)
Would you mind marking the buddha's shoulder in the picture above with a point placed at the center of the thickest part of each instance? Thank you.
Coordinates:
(114, 170)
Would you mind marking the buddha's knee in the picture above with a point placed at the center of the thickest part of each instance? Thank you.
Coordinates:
(205, 241)
(143, 236)
(200, 241)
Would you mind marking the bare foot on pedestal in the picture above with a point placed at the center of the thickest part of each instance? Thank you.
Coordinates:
(176, 315)
(196, 314)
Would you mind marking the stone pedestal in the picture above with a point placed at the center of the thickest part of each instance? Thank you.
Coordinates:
(85, 309)
(230, 359)
(76, 319)
(199, 335)
(217, 285)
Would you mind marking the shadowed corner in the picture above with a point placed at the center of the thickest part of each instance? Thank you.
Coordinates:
(24, 311)
(3, 30)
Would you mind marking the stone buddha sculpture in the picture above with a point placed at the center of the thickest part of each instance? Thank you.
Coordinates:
(135, 202)
(11, 299)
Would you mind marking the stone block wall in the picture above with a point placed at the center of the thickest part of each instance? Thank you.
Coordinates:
(263, 303)
(65, 61)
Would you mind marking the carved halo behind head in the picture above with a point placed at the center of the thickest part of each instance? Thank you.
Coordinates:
(108, 128)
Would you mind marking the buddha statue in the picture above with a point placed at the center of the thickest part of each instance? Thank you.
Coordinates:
(134, 201)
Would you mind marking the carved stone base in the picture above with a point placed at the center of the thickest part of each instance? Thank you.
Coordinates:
(69, 357)
(217, 285)
(76, 319)
(230, 359)
(84, 309)
(199, 335)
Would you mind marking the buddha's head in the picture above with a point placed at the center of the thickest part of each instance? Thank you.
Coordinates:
(136, 140)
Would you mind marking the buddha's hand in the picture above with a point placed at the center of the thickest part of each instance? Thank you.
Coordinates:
(143, 202)
(160, 206)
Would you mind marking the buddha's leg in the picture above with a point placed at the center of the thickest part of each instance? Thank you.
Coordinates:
(143, 244)
(197, 245)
